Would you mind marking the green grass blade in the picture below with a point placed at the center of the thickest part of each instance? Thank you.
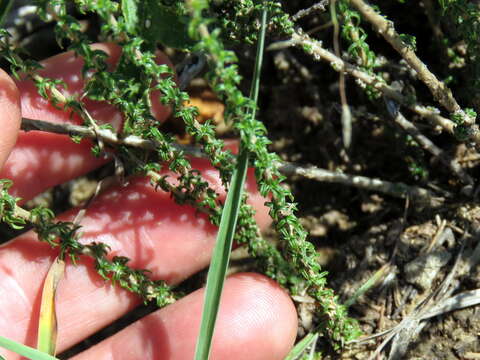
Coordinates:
(228, 222)
(220, 259)
(130, 14)
(5, 6)
(301, 348)
(371, 282)
(258, 61)
(24, 350)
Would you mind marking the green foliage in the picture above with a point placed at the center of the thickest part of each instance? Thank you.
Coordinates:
(356, 36)
(305, 349)
(418, 170)
(7, 206)
(5, 6)
(462, 131)
(210, 28)
(171, 31)
(130, 15)
(465, 18)
(410, 40)
(239, 19)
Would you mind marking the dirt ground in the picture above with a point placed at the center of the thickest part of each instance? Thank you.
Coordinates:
(406, 259)
(404, 250)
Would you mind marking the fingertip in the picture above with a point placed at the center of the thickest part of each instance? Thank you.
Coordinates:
(11, 115)
(256, 316)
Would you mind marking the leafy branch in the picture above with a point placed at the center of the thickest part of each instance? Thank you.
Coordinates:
(64, 235)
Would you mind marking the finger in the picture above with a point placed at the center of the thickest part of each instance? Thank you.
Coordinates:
(10, 118)
(172, 241)
(68, 68)
(256, 320)
(41, 160)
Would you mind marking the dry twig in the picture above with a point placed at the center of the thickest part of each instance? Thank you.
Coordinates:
(439, 90)
(401, 190)
(320, 6)
(427, 144)
(315, 48)
(436, 303)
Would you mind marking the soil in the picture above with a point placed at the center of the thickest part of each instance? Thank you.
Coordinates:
(407, 252)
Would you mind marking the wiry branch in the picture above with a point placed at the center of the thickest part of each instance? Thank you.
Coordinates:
(314, 47)
(106, 135)
(439, 90)
(320, 6)
(399, 190)
(427, 144)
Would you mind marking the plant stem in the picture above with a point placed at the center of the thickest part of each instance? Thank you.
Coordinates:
(399, 190)
(385, 28)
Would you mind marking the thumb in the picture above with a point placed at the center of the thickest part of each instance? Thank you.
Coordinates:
(10, 115)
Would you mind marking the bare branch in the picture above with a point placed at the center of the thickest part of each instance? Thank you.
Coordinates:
(428, 145)
(399, 190)
(320, 6)
(315, 48)
(439, 90)
(106, 135)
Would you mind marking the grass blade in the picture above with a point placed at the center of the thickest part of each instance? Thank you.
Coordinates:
(372, 281)
(24, 350)
(5, 6)
(220, 259)
(301, 348)
(47, 326)
(223, 245)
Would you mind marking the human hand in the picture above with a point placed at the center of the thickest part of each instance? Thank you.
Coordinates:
(257, 319)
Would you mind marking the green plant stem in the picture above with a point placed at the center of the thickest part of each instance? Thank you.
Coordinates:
(228, 223)
(115, 270)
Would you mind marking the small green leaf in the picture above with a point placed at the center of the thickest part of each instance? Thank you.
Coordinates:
(300, 350)
(130, 14)
(163, 25)
(77, 139)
